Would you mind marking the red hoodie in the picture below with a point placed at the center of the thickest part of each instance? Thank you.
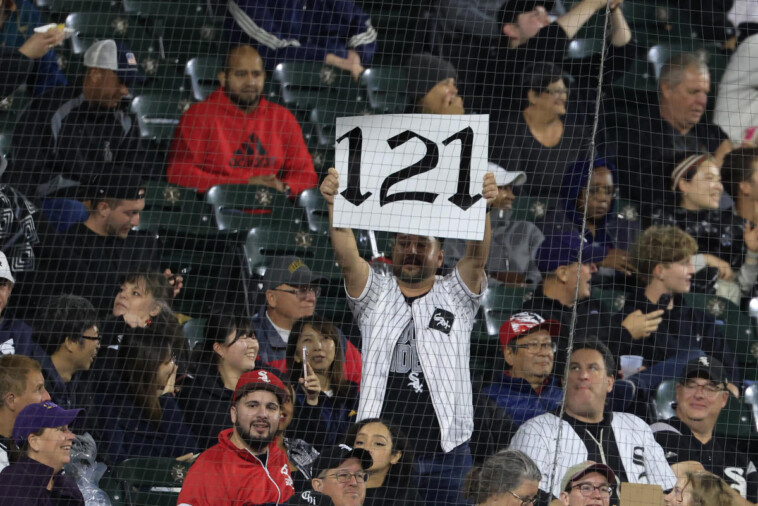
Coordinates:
(225, 475)
(217, 143)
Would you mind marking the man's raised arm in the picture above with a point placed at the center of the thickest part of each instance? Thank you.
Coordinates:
(354, 268)
(471, 265)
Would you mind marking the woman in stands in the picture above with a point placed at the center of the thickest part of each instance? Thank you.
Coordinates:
(701, 488)
(507, 477)
(43, 442)
(136, 406)
(389, 481)
(588, 201)
(228, 350)
(727, 246)
(321, 382)
(540, 138)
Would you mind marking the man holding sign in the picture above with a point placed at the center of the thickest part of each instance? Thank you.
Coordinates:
(416, 331)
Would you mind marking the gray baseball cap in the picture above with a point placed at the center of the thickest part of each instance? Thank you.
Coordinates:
(111, 55)
(289, 270)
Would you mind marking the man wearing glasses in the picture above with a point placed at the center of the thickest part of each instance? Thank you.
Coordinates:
(339, 478)
(528, 388)
(689, 436)
(292, 290)
(587, 484)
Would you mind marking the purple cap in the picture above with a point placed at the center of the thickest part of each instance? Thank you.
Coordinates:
(562, 247)
(41, 415)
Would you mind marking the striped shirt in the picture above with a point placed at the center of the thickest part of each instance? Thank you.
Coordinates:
(443, 320)
(642, 457)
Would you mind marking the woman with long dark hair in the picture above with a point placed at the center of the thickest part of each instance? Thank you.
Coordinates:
(389, 481)
(321, 381)
(138, 414)
(229, 349)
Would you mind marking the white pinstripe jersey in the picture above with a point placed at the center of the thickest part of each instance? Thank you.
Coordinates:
(642, 457)
(382, 313)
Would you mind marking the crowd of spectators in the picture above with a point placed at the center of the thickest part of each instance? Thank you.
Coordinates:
(280, 405)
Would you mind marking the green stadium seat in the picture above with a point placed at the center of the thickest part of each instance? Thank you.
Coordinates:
(164, 8)
(145, 482)
(302, 85)
(500, 302)
(736, 325)
(265, 242)
(526, 208)
(242, 207)
(657, 22)
(612, 300)
(160, 196)
(182, 37)
(93, 26)
(385, 89)
(158, 115)
(6, 144)
(583, 48)
(67, 6)
(735, 420)
(193, 331)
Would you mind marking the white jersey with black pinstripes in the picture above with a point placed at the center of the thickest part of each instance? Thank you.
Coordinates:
(443, 320)
(642, 457)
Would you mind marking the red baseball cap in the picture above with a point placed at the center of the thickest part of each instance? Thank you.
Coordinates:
(521, 324)
(261, 380)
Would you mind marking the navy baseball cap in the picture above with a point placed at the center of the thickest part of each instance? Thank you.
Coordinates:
(116, 56)
(334, 456)
(41, 415)
(562, 247)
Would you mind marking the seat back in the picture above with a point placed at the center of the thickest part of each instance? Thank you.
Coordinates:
(193, 331)
(242, 207)
(500, 302)
(157, 115)
(665, 395)
(316, 212)
(385, 89)
(147, 481)
(266, 242)
(302, 84)
(203, 75)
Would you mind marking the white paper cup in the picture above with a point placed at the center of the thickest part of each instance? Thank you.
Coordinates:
(630, 364)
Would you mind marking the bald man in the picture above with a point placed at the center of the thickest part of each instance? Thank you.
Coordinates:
(236, 136)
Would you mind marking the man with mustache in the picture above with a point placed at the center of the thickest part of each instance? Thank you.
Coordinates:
(236, 136)
(246, 466)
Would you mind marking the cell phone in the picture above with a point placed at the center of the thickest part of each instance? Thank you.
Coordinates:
(664, 300)
(305, 361)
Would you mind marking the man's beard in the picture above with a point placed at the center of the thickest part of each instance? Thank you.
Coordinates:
(422, 274)
(241, 102)
(256, 444)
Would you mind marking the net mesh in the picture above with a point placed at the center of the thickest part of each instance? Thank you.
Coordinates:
(172, 269)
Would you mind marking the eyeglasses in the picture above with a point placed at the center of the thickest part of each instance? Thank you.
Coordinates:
(302, 291)
(91, 338)
(525, 501)
(709, 389)
(587, 489)
(536, 347)
(345, 477)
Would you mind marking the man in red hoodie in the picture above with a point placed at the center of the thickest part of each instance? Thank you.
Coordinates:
(236, 136)
(245, 467)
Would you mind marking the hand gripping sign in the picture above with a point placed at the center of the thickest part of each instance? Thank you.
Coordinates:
(413, 173)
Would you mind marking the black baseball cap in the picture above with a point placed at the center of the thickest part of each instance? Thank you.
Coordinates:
(563, 246)
(334, 456)
(119, 186)
(425, 71)
(707, 368)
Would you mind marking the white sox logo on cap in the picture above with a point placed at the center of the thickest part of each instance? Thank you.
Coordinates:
(704, 361)
(263, 376)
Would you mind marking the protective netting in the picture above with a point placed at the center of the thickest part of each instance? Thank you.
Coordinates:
(170, 266)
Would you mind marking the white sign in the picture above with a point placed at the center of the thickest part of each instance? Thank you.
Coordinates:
(413, 173)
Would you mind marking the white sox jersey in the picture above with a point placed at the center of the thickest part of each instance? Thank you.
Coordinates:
(641, 458)
(442, 320)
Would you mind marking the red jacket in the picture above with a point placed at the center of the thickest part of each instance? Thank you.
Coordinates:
(217, 143)
(225, 475)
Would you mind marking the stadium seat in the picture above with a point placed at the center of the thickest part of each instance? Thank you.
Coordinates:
(526, 208)
(5, 145)
(657, 22)
(314, 206)
(165, 8)
(266, 242)
(735, 324)
(385, 89)
(663, 401)
(203, 75)
(500, 302)
(735, 420)
(193, 331)
(145, 482)
(612, 300)
(92, 26)
(158, 115)
(182, 37)
(301, 85)
(242, 207)
(583, 48)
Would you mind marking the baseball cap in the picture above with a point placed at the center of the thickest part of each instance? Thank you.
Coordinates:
(288, 270)
(707, 368)
(562, 247)
(335, 455)
(38, 416)
(5, 268)
(576, 472)
(111, 55)
(424, 72)
(523, 323)
(259, 379)
(506, 177)
(120, 186)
